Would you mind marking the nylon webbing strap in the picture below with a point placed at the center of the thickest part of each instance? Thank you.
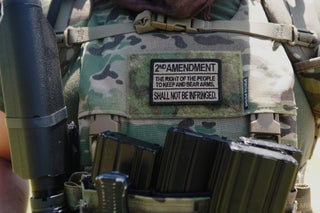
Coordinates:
(279, 32)
(63, 17)
(38, 122)
(79, 35)
(147, 21)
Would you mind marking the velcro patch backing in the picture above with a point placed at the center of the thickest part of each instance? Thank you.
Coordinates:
(198, 84)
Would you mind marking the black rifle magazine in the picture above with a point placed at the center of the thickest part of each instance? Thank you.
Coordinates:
(252, 179)
(136, 158)
(186, 164)
(288, 149)
(242, 177)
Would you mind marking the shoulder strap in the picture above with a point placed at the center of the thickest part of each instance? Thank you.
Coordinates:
(303, 16)
(64, 13)
(78, 35)
(147, 21)
(51, 9)
(62, 20)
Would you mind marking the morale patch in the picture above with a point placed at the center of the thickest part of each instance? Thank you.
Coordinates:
(212, 85)
(185, 81)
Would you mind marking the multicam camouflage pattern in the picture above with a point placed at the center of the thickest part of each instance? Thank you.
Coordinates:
(114, 79)
(308, 73)
(303, 14)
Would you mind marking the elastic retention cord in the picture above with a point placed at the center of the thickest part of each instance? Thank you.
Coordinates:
(38, 122)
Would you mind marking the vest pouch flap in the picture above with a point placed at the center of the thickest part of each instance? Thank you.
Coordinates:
(162, 85)
(308, 73)
(151, 92)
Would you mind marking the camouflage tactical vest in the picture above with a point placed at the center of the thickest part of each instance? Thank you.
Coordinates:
(227, 83)
(143, 84)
